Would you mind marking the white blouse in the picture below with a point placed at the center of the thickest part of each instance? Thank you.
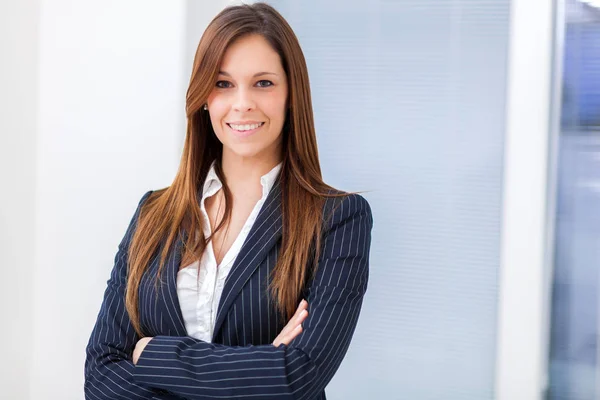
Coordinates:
(199, 297)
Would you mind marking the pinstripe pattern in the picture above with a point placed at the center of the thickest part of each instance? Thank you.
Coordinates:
(240, 362)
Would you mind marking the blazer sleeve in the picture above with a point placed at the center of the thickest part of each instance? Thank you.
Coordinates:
(108, 366)
(196, 369)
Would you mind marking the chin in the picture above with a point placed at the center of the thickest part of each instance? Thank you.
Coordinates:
(252, 149)
(245, 151)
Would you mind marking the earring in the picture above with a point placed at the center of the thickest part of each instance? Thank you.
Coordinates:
(206, 107)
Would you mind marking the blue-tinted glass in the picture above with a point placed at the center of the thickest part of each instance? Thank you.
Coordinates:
(574, 371)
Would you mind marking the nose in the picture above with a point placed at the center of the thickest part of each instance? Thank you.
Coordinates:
(243, 101)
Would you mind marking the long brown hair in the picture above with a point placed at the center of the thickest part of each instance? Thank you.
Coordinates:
(169, 212)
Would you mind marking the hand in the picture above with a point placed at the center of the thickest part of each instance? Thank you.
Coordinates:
(294, 326)
(139, 347)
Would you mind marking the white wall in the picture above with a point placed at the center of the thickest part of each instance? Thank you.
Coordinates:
(18, 116)
(111, 118)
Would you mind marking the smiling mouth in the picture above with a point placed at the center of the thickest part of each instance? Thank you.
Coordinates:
(245, 127)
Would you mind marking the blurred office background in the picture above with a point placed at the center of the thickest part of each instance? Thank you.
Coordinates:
(574, 350)
(471, 125)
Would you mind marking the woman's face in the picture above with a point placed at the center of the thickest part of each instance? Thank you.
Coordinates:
(248, 104)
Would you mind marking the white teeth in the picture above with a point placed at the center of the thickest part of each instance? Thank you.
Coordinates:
(246, 127)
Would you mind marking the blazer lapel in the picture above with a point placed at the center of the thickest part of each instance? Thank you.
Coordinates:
(170, 308)
(263, 235)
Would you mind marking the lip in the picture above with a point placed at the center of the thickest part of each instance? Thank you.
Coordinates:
(248, 122)
(244, 134)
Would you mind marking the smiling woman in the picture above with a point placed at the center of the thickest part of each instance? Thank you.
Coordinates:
(245, 277)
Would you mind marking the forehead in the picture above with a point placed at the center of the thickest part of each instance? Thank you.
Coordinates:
(250, 54)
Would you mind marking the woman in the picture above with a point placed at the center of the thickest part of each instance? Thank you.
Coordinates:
(247, 239)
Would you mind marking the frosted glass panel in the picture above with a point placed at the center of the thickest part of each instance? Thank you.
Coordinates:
(409, 101)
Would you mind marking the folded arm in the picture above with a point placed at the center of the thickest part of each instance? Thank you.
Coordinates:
(199, 370)
(109, 371)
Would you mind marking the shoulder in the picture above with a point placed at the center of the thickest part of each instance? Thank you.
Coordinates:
(134, 219)
(145, 196)
(144, 200)
(345, 207)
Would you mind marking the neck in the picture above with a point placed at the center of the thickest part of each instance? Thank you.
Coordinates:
(243, 174)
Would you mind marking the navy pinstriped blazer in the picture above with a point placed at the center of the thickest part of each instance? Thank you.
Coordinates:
(241, 362)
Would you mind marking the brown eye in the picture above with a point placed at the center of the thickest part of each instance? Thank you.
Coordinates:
(223, 84)
(264, 83)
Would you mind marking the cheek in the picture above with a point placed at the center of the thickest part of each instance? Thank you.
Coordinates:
(218, 110)
(275, 108)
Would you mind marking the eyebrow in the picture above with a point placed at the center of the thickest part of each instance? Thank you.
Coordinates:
(255, 75)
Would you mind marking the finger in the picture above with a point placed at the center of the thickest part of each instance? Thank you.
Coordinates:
(302, 316)
(290, 336)
(292, 322)
(287, 338)
(302, 306)
(298, 317)
(292, 325)
(295, 320)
